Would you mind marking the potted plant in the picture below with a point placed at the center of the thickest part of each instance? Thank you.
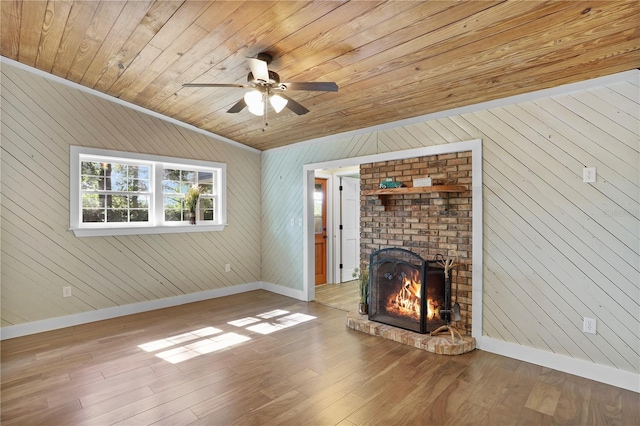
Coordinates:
(363, 285)
(191, 202)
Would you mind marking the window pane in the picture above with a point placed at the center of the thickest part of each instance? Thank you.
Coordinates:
(140, 185)
(139, 202)
(119, 215)
(207, 215)
(90, 183)
(139, 172)
(117, 201)
(90, 168)
(188, 176)
(171, 174)
(206, 188)
(206, 203)
(92, 215)
(93, 200)
(120, 183)
(139, 215)
(172, 215)
(172, 203)
(184, 186)
(170, 186)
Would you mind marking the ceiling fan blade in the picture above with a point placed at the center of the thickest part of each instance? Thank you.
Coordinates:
(241, 86)
(239, 106)
(259, 69)
(294, 106)
(319, 86)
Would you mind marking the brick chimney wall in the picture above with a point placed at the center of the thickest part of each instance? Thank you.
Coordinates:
(426, 223)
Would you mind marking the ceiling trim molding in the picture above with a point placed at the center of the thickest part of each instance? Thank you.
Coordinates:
(511, 100)
(73, 85)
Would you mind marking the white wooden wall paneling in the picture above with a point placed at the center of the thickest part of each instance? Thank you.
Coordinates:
(459, 133)
(536, 328)
(25, 154)
(426, 135)
(158, 259)
(397, 139)
(536, 221)
(548, 309)
(611, 104)
(558, 178)
(27, 270)
(591, 258)
(565, 151)
(33, 109)
(447, 134)
(564, 273)
(567, 299)
(15, 220)
(588, 136)
(493, 325)
(40, 120)
(29, 132)
(55, 273)
(629, 90)
(504, 307)
(603, 125)
(27, 184)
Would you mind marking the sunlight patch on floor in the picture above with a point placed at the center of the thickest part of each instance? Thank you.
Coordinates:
(202, 344)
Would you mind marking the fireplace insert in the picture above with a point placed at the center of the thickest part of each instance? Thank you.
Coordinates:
(408, 291)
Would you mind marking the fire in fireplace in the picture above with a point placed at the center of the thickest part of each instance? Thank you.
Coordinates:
(408, 291)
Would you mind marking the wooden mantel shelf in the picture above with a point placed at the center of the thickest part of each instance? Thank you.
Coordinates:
(415, 190)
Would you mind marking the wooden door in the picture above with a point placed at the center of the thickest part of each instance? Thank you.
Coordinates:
(320, 229)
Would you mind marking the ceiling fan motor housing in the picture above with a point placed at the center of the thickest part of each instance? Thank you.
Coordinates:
(274, 79)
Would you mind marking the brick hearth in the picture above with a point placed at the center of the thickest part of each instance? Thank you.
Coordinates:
(440, 344)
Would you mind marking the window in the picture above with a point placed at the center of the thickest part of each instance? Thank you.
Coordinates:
(119, 193)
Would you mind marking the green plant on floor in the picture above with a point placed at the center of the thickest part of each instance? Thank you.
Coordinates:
(363, 284)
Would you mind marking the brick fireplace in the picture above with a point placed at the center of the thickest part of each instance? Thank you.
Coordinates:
(427, 223)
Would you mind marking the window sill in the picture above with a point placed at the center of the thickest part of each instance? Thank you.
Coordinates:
(178, 229)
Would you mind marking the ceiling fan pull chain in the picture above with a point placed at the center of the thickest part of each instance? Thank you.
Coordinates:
(266, 99)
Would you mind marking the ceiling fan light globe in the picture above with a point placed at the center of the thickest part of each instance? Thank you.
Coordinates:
(278, 102)
(253, 97)
(257, 108)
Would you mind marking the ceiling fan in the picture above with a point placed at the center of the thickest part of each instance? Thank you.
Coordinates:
(265, 86)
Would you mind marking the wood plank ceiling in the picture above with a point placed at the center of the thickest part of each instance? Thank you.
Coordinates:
(391, 60)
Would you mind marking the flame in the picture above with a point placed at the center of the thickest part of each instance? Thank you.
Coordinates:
(408, 300)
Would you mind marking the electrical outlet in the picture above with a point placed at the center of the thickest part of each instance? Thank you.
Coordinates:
(227, 268)
(299, 221)
(66, 291)
(589, 325)
(589, 174)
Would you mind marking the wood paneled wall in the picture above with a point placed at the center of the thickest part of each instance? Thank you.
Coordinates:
(40, 120)
(555, 249)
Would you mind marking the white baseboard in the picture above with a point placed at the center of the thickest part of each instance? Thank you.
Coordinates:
(589, 370)
(284, 291)
(19, 330)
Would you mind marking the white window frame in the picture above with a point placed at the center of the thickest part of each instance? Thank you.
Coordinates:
(156, 223)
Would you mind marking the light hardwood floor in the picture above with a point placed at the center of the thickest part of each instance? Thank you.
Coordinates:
(343, 296)
(308, 370)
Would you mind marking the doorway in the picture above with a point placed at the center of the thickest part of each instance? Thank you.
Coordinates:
(320, 229)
